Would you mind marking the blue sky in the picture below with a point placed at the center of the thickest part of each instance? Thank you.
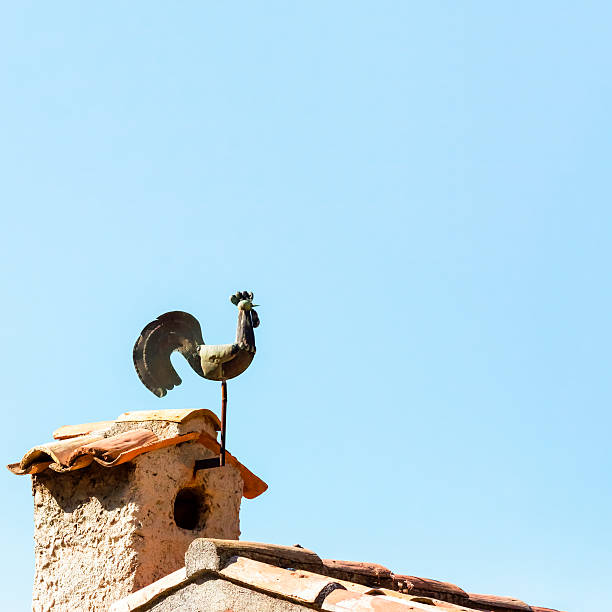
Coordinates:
(418, 194)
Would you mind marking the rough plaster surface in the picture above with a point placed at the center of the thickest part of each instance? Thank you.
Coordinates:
(211, 594)
(102, 533)
(165, 429)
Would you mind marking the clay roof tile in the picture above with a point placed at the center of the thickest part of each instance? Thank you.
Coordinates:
(341, 600)
(174, 416)
(295, 584)
(77, 446)
(495, 602)
(427, 585)
(298, 574)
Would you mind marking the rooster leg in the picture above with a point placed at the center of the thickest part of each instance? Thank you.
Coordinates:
(223, 420)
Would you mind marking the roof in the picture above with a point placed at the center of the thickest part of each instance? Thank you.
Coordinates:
(299, 576)
(77, 446)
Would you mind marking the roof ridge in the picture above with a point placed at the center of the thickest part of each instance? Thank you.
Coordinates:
(280, 572)
(172, 415)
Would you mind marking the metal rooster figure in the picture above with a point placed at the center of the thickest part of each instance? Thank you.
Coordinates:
(180, 331)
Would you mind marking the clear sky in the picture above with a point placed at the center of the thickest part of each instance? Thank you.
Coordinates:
(419, 195)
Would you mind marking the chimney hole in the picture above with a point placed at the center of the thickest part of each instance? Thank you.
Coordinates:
(190, 509)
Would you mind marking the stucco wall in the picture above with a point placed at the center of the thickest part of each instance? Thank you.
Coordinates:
(101, 533)
(215, 595)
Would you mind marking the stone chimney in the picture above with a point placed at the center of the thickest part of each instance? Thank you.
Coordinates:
(116, 504)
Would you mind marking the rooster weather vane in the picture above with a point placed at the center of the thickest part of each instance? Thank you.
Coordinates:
(180, 331)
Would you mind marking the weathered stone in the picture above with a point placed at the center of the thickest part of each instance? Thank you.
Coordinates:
(202, 555)
(214, 554)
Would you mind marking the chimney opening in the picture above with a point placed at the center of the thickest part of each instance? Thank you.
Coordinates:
(189, 509)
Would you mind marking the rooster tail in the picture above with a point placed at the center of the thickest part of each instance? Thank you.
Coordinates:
(172, 331)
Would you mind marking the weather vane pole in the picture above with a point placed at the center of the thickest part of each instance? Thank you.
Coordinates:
(180, 331)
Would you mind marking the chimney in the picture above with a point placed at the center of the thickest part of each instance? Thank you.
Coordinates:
(117, 503)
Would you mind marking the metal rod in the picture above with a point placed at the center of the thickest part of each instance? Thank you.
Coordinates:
(223, 421)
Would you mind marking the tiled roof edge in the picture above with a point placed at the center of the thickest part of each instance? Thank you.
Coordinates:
(150, 593)
(297, 574)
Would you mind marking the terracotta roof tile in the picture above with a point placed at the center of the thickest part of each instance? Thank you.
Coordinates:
(420, 599)
(370, 574)
(253, 485)
(52, 453)
(174, 416)
(268, 568)
(340, 600)
(79, 452)
(303, 586)
(353, 586)
(80, 445)
(427, 586)
(108, 449)
(495, 602)
(71, 431)
(136, 416)
(212, 554)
